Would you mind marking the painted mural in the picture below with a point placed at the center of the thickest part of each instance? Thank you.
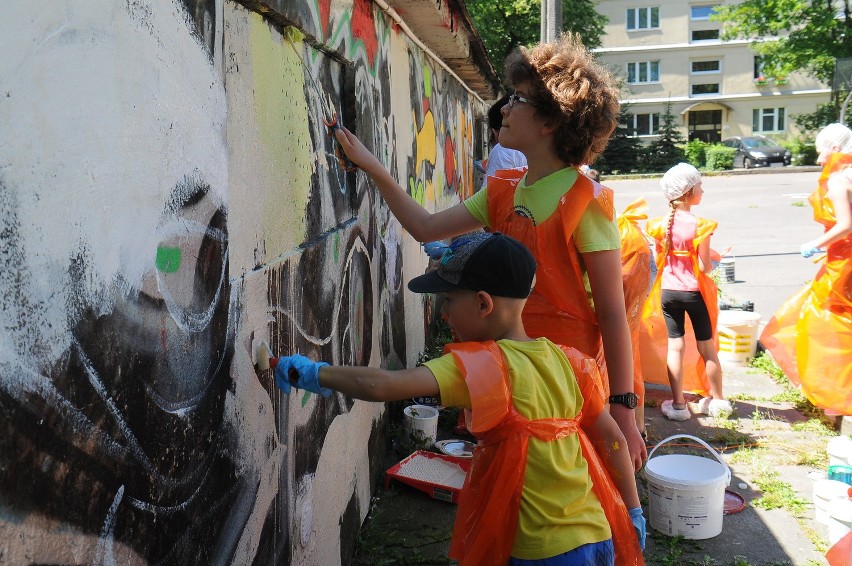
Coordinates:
(170, 196)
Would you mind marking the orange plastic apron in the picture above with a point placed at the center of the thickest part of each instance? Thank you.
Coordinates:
(559, 307)
(487, 516)
(636, 278)
(653, 340)
(810, 336)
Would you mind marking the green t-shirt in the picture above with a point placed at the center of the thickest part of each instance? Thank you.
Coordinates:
(559, 511)
(595, 231)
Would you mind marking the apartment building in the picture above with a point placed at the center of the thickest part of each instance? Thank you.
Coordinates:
(670, 50)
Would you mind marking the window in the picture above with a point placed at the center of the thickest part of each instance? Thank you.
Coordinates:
(643, 18)
(707, 88)
(767, 120)
(643, 124)
(758, 67)
(705, 34)
(706, 67)
(643, 72)
(702, 12)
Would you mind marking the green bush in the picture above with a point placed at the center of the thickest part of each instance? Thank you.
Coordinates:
(804, 151)
(720, 157)
(696, 153)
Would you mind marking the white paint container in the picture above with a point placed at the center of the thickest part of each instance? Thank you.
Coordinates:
(686, 494)
(840, 451)
(421, 424)
(825, 493)
(737, 336)
(726, 267)
(840, 521)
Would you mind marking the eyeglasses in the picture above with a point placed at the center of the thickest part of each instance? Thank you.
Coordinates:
(513, 98)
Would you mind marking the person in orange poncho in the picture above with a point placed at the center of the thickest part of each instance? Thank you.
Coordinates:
(536, 491)
(810, 336)
(636, 262)
(683, 288)
(561, 115)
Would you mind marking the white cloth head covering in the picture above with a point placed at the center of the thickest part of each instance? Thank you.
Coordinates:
(834, 135)
(679, 180)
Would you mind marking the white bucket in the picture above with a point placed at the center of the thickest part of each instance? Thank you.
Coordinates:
(686, 494)
(840, 522)
(737, 336)
(825, 493)
(421, 424)
(840, 451)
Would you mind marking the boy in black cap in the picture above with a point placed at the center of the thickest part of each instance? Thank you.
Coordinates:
(536, 485)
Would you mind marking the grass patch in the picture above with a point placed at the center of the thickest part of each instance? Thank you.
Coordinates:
(763, 362)
(777, 494)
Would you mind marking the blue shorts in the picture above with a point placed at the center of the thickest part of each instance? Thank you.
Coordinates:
(592, 554)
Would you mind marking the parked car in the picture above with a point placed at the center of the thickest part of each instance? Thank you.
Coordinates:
(758, 151)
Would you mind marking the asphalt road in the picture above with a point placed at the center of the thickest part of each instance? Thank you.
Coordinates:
(763, 218)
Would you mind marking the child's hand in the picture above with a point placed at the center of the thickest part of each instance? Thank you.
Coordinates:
(435, 250)
(300, 372)
(808, 249)
(638, 524)
(353, 148)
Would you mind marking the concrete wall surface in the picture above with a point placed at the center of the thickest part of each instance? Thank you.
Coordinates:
(169, 197)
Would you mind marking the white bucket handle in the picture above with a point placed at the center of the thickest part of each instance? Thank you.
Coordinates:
(704, 444)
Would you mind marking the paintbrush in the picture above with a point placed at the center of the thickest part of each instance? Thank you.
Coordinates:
(264, 360)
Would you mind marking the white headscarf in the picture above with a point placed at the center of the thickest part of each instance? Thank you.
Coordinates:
(834, 136)
(679, 180)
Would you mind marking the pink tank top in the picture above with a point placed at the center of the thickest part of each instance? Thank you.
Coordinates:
(678, 273)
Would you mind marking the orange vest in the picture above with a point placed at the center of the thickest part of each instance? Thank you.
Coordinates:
(487, 515)
(810, 336)
(558, 308)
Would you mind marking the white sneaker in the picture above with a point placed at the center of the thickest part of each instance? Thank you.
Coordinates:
(719, 408)
(702, 407)
(673, 414)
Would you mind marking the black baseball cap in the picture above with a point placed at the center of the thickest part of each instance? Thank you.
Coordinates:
(481, 261)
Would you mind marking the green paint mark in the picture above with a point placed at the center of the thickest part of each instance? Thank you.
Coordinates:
(337, 247)
(427, 80)
(305, 397)
(168, 259)
(418, 192)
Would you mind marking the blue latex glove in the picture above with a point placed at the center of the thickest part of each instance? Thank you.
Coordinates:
(638, 524)
(808, 250)
(307, 370)
(435, 250)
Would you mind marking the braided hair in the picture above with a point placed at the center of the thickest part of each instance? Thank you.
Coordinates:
(674, 205)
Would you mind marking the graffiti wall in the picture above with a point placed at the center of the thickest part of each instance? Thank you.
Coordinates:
(170, 196)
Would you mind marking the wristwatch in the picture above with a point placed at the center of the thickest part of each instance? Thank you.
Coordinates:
(629, 400)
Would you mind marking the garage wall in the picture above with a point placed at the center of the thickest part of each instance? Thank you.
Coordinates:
(170, 197)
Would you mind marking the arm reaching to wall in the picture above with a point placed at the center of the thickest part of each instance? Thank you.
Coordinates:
(419, 222)
(366, 383)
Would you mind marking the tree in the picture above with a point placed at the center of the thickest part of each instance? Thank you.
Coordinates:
(622, 153)
(666, 150)
(506, 25)
(794, 35)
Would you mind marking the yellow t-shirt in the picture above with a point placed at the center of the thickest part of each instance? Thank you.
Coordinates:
(559, 511)
(595, 232)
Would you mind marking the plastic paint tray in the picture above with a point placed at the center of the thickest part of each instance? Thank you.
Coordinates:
(439, 475)
(734, 502)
